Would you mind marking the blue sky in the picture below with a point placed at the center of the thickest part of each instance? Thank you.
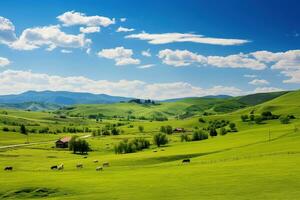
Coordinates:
(197, 48)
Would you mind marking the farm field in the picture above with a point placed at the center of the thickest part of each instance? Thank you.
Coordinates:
(260, 161)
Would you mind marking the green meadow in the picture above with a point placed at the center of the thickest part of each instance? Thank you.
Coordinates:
(259, 161)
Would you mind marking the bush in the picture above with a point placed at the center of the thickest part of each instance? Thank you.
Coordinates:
(201, 120)
(232, 127)
(284, 119)
(115, 131)
(5, 129)
(199, 135)
(244, 118)
(223, 131)
(141, 129)
(258, 119)
(131, 146)
(160, 139)
(166, 129)
(213, 132)
(185, 138)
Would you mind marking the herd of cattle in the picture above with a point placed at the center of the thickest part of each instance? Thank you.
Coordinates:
(80, 166)
(61, 166)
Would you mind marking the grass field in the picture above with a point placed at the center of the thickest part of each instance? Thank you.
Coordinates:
(260, 161)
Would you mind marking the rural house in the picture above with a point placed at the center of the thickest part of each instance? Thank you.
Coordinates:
(62, 142)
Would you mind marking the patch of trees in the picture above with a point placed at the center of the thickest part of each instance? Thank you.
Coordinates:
(196, 136)
(264, 116)
(78, 145)
(160, 139)
(166, 129)
(224, 127)
(140, 101)
(131, 146)
(201, 120)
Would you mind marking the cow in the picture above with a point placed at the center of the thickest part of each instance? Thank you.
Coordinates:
(78, 166)
(53, 167)
(8, 168)
(99, 168)
(60, 167)
(105, 164)
(96, 161)
(186, 160)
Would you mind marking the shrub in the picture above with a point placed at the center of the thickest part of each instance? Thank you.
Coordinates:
(201, 120)
(199, 135)
(160, 139)
(115, 131)
(5, 129)
(232, 127)
(284, 119)
(223, 131)
(166, 129)
(258, 119)
(141, 129)
(244, 118)
(213, 132)
(184, 137)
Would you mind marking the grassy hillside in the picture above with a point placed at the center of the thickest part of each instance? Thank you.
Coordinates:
(260, 161)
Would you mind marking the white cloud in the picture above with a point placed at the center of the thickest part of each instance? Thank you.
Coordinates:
(50, 37)
(146, 53)
(165, 38)
(66, 51)
(92, 29)
(123, 29)
(4, 62)
(294, 76)
(19, 81)
(250, 76)
(7, 31)
(259, 82)
(123, 19)
(72, 18)
(145, 66)
(121, 56)
(267, 89)
(180, 58)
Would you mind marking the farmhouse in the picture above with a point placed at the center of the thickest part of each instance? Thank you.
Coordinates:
(62, 142)
(179, 130)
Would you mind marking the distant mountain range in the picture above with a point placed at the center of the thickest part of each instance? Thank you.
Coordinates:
(60, 98)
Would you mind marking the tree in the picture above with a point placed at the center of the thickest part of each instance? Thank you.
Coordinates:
(213, 132)
(78, 145)
(223, 131)
(166, 129)
(244, 118)
(184, 137)
(232, 127)
(115, 131)
(160, 139)
(201, 120)
(284, 119)
(23, 129)
(258, 119)
(199, 135)
(141, 129)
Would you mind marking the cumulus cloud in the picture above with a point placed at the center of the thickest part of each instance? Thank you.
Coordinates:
(146, 53)
(266, 89)
(72, 18)
(121, 56)
(179, 58)
(259, 82)
(19, 81)
(146, 66)
(165, 38)
(92, 29)
(294, 76)
(7, 31)
(4, 62)
(123, 29)
(50, 37)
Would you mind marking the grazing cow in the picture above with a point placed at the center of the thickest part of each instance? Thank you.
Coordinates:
(78, 166)
(8, 168)
(54, 167)
(60, 167)
(186, 160)
(96, 161)
(99, 168)
(105, 164)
